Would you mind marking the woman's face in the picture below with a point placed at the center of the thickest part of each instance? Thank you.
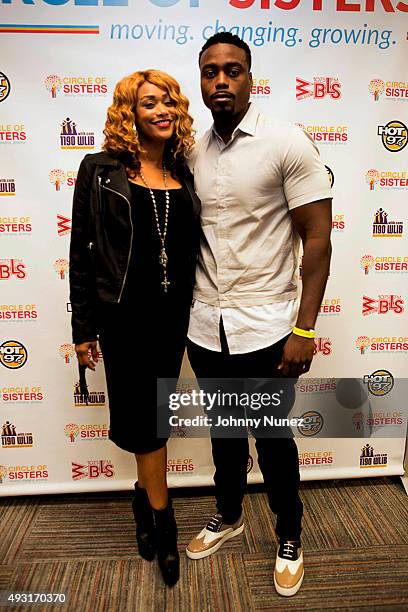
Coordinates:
(155, 113)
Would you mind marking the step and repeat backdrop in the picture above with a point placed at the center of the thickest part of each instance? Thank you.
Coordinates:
(335, 67)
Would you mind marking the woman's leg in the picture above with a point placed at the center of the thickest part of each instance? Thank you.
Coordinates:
(151, 474)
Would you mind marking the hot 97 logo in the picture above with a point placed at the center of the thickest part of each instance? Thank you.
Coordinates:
(12, 268)
(13, 354)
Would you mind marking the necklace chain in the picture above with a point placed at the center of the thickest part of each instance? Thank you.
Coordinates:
(162, 233)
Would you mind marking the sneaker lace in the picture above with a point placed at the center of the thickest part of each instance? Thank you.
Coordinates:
(289, 551)
(215, 523)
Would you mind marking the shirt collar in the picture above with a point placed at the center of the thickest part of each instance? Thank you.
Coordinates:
(248, 122)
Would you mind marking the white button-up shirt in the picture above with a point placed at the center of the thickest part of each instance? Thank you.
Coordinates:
(249, 249)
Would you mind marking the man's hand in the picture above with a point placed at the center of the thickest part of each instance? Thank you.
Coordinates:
(297, 356)
(82, 352)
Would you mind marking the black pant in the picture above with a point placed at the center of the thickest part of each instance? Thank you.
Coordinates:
(277, 457)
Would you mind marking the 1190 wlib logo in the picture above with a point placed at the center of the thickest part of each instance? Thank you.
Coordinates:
(72, 138)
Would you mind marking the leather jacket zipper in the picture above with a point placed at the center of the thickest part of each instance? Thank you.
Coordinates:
(131, 234)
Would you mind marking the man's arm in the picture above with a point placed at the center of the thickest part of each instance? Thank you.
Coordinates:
(313, 223)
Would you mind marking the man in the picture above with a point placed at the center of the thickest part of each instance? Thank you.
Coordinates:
(262, 186)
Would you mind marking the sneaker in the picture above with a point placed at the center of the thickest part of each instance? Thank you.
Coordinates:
(289, 572)
(213, 536)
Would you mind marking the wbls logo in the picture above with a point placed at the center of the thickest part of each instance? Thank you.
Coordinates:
(70, 138)
(382, 228)
(323, 346)
(63, 225)
(93, 469)
(382, 305)
(10, 268)
(318, 89)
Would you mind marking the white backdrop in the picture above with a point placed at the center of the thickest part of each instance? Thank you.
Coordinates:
(336, 68)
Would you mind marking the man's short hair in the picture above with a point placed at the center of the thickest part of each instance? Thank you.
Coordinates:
(228, 39)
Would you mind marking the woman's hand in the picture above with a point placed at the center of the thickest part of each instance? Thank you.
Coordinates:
(82, 352)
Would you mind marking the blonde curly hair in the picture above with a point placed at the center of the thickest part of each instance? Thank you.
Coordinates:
(121, 137)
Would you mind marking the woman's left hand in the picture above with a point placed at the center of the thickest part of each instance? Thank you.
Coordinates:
(82, 352)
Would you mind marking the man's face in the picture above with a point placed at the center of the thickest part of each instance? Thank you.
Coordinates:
(225, 79)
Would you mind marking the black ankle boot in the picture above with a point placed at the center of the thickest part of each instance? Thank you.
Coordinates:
(167, 553)
(145, 530)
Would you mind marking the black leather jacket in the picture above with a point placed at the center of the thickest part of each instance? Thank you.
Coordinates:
(100, 255)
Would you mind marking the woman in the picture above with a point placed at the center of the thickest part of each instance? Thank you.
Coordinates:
(133, 251)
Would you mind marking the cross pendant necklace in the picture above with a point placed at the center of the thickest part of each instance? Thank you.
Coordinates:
(163, 258)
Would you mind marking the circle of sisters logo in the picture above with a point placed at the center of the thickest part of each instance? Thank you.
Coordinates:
(3, 472)
(71, 431)
(260, 87)
(250, 464)
(379, 383)
(312, 423)
(61, 266)
(394, 135)
(330, 175)
(13, 354)
(362, 343)
(372, 178)
(376, 87)
(67, 351)
(5, 87)
(53, 84)
(367, 262)
(57, 177)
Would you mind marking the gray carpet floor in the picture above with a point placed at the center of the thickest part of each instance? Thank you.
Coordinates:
(355, 538)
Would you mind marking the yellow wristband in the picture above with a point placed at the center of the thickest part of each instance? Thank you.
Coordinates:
(305, 333)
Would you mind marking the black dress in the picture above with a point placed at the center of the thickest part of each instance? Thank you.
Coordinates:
(143, 337)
